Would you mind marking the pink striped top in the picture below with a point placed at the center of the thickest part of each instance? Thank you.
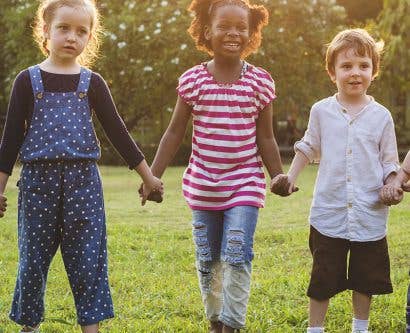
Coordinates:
(225, 169)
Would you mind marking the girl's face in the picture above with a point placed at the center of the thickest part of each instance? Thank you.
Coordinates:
(68, 33)
(353, 74)
(228, 32)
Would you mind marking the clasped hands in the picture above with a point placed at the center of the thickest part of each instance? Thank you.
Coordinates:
(283, 185)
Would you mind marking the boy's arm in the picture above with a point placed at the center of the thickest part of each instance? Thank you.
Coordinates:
(265, 140)
(172, 138)
(299, 162)
(3, 200)
(404, 173)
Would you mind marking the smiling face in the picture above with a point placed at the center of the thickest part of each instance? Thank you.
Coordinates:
(352, 74)
(228, 32)
(68, 33)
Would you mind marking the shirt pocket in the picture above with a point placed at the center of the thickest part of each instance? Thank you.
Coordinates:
(368, 139)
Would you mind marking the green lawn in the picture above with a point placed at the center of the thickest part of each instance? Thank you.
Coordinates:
(152, 273)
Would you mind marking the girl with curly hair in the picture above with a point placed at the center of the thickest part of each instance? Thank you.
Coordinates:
(230, 102)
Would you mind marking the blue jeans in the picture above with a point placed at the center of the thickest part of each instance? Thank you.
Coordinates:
(224, 251)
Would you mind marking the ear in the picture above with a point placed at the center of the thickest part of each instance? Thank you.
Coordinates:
(46, 31)
(332, 76)
(207, 32)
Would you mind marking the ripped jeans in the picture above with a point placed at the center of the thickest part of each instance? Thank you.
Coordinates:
(224, 252)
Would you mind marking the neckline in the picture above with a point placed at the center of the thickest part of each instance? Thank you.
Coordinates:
(79, 73)
(245, 67)
(343, 110)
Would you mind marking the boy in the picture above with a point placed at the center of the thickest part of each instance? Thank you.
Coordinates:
(353, 136)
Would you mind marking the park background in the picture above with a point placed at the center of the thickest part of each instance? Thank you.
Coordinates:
(145, 49)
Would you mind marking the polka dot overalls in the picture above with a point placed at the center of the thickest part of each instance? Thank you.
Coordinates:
(61, 204)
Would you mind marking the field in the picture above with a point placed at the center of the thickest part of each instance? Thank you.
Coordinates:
(152, 273)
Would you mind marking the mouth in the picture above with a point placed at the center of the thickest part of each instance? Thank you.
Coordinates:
(69, 48)
(232, 46)
(355, 83)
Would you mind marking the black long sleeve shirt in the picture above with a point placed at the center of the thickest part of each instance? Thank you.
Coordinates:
(21, 107)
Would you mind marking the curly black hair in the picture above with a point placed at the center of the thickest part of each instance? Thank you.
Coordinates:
(203, 11)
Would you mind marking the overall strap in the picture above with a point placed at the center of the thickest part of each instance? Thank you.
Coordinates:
(36, 81)
(84, 83)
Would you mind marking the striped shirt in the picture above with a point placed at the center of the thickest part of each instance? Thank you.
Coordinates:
(225, 169)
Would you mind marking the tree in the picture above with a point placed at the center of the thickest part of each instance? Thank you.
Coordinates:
(361, 10)
(394, 24)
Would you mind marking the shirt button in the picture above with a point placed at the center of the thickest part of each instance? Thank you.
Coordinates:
(39, 95)
(349, 151)
(81, 95)
(344, 111)
(349, 205)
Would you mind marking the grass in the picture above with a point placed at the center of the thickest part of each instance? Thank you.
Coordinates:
(152, 273)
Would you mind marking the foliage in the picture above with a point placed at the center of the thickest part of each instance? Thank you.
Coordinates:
(146, 48)
(361, 10)
(394, 25)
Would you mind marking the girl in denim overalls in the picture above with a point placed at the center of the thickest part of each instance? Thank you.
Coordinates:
(60, 193)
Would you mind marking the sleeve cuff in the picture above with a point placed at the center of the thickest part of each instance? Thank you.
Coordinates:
(305, 149)
(389, 168)
(136, 162)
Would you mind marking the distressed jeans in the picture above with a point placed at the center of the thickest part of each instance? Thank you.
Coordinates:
(224, 252)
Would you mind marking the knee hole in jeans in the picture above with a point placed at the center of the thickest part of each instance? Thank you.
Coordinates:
(201, 242)
(235, 248)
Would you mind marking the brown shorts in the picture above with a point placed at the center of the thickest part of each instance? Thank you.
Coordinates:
(368, 271)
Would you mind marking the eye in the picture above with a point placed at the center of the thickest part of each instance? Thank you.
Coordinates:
(346, 66)
(63, 27)
(364, 66)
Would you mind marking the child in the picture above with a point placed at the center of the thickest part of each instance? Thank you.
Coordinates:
(60, 193)
(353, 136)
(230, 101)
(392, 194)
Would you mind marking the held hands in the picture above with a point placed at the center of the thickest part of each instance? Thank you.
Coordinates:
(283, 185)
(152, 191)
(392, 194)
(3, 205)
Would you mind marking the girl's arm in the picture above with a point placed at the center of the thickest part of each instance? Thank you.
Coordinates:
(116, 131)
(265, 140)
(172, 138)
(3, 200)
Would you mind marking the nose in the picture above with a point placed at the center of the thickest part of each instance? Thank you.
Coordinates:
(233, 32)
(71, 37)
(355, 71)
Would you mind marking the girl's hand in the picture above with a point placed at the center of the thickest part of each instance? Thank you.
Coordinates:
(152, 190)
(282, 185)
(3, 205)
(406, 187)
(391, 194)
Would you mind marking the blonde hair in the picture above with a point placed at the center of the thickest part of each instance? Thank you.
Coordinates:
(45, 15)
(360, 41)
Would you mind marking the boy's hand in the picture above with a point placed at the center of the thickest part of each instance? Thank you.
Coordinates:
(282, 185)
(391, 194)
(152, 190)
(3, 205)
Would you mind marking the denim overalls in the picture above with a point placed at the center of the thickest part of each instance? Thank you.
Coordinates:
(61, 204)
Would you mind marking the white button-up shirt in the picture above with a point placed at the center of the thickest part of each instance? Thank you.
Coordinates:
(356, 155)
